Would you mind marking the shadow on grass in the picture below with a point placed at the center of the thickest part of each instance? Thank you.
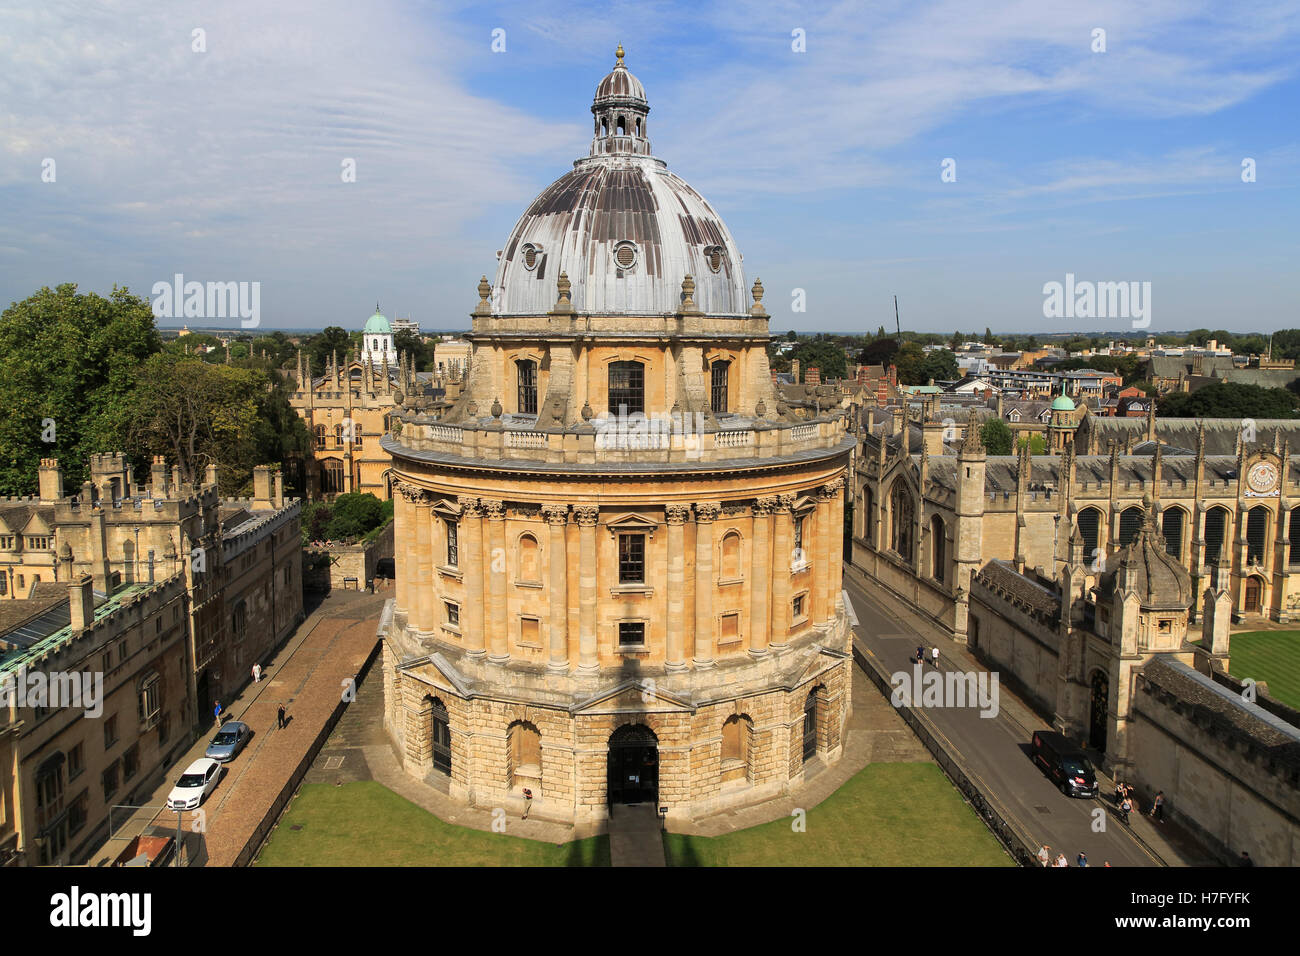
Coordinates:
(679, 850)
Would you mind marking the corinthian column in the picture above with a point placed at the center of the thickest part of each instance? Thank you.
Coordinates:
(470, 561)
(823, 599)
(588, 658)
(495, 554)
(705, 514)
(675, 658)
(403, 544)
(557, 516)
(782, 560)
(760, 581)
(423, 597)
(835, 581)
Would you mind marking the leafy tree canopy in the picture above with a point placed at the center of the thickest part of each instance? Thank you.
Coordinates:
(1230, 400)
(996, 437)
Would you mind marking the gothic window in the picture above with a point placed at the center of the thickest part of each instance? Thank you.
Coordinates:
(1215, 523)
(1171, 526)
(1089, 523)
(150, 702)
(631, 559)
(320, 437)
(1130, 520)
(526, 371)
(718, 392)
(1256, 534)
(332, 476)
(338, 436)
(1293, 536)
(938, 548)
(901, 525)
(626, 388)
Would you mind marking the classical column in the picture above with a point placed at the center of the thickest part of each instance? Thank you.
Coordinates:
(588, 657)
(781, 562)
(557, 516)
(760, 580)
(423, 597)
(706, 512)
(495, 558)
(676, 645)
(820, 559)
(470, 561)
(830, 520)
(403, 544)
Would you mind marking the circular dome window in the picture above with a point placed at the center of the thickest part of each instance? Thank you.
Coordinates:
(530, 256)
(625, 254)
(714, 255)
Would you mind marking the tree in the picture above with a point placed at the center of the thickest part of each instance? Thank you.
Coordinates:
(352, 515)
(408, 343)
(918, 367)
(879, 352)
(1037, 445)
(988, 336)
(954, 343)
(791, 337)
(332, 341)
(67, 361)
(996, 437)
(1230, 400)
(824, 354)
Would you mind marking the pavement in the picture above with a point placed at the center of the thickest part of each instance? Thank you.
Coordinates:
(996, 750)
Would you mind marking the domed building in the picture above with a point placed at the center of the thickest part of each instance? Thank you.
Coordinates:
(377, 341)
(618, 553)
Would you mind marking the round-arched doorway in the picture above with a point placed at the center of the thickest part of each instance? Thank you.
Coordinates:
(633, 765)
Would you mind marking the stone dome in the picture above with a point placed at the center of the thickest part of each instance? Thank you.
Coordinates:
(624, 229)
(1148, 570)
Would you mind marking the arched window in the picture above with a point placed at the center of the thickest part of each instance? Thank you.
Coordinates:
(1171, 526)
(622, 126)
(440, 732)
(1256, 534)
(149, 699)
(718, 390)
(868, 503)
(737, 734)
(1089, 521)
(1216, 521)
(626, 388)
(525, 754)
(938, 548)
(526, 373)
(1130, 521)
(1293, 535)
(528, 570)
(338, 436)
(901, 517)
(331, 476)
(731, 556)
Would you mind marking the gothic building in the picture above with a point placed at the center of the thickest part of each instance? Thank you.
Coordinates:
(618, 551)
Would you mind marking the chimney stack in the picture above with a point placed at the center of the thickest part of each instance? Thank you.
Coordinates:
(158, 478)
(794, 370)
(278, 501)
(51, 481)
(262, 488)
(81, 598)
(210, 474)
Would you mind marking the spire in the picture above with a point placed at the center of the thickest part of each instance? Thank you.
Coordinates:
(970, 443)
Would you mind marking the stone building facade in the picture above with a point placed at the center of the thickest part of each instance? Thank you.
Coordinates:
(618, 553)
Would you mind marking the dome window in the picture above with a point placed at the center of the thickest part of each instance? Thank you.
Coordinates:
(714, 256)
(531, 256)
(625, 254)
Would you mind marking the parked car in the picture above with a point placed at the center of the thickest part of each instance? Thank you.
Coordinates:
(1064, 764)
(199, 780)
(229, 741)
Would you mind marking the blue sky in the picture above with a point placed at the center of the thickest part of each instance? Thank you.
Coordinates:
(224, 165)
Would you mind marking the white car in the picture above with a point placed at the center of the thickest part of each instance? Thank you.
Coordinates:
(195, 784)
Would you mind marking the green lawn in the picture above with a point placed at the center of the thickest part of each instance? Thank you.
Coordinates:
(890, 814)
(366, 824)
(1272, 656)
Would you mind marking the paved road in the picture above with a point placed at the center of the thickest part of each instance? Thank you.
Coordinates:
(997, 750)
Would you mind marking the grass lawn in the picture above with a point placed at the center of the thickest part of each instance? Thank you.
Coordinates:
(366, 824)
(890, 814)
(1272, 656)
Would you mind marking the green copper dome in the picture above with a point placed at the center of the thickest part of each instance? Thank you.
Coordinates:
(377, 324)
(1062, 403)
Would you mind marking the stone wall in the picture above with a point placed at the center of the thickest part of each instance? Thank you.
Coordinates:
(325, 569)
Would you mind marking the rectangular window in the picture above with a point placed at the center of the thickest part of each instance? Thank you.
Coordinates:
(110, 731)
(730, 629)
(718, 394)
(453, 613)
(631, 633)
(110, 780)
(796, 606)
(798, 539)
(631, 559)
(453, 545)
(76, 761)
(626, 388)
(130, 762)
(530, 631)
(527, 372)
(78, 811)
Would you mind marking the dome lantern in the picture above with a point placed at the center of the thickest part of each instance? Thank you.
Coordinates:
(620, 109)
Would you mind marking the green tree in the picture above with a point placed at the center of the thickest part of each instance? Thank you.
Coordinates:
(988, 336)
(1230, 400)
(67, 362)
(332, 341)
(879, 352)
(1037, 445)
(824, 354)
(408, 343)
(996, 437)
(352, 515)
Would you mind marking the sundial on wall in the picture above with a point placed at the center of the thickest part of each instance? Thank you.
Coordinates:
(1262, 480)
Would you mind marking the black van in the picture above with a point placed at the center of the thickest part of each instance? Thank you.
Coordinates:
(1064, 764)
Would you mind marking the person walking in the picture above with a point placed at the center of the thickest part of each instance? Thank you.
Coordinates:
(934, 657)
(279, 715)
(216, 712)
(920, 654)
(257, 673)
(1158, 807)
(1125, 808)
(1081, 859)
(1062, 861)
(1045, 855)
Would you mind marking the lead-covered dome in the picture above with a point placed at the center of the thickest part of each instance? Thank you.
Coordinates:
(625, 229)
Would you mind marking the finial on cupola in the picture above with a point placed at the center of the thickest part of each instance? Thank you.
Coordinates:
(619, 53)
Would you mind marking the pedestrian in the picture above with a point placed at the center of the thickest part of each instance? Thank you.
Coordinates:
(279, 715)
(1081, 859)
(257, 673)
(934, 655)
(1062, 861)
(1158, 807)
(1107, 863)
(1045, 854)
(920, 654)
(1245, 859)
(216, 712)
(1125, 808)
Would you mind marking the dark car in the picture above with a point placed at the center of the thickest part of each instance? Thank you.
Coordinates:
(1064, 764)
(229, 741)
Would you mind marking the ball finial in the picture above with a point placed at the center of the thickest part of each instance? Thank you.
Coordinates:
(619, 53)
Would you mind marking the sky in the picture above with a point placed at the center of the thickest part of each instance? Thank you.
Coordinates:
(960, 156)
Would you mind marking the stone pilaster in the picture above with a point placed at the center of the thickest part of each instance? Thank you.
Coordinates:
(588, 656)
(421, 617)
(760, 623)
(781, 562)
(471, 567)
(403, 545)
(706, 513)
(675, 657)
(830, 517)
(495, 561)
(557, 516)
